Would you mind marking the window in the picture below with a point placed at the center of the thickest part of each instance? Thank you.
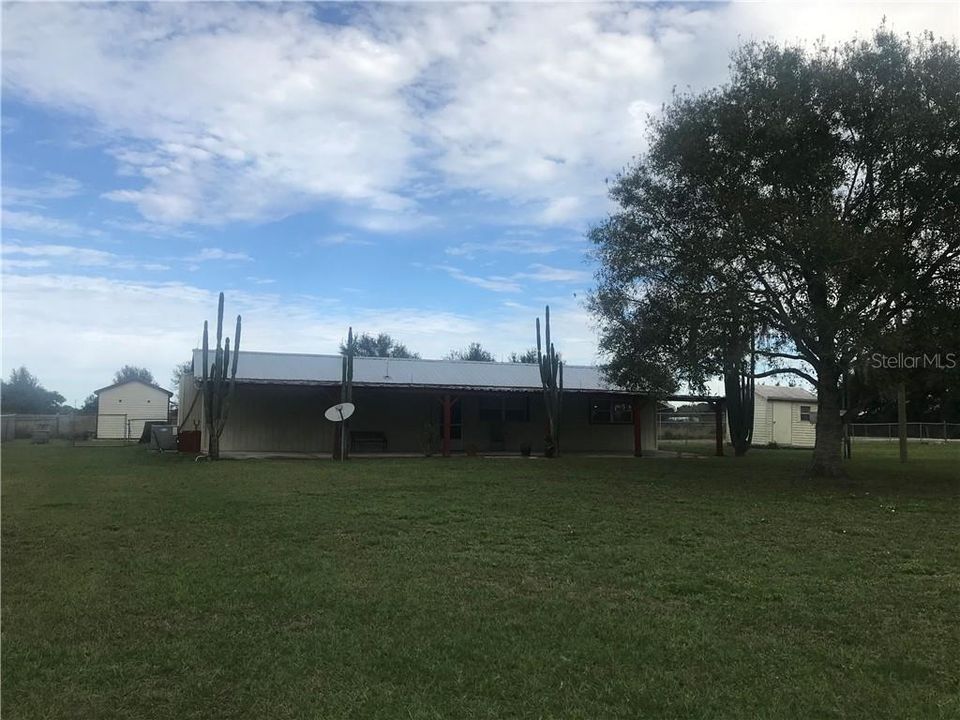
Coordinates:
(499, 408)
(805, 413)
(611, 411)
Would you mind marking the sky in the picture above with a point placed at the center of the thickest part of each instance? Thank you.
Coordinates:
(424, 170)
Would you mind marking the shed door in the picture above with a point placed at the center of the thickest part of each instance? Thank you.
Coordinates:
(782, 432)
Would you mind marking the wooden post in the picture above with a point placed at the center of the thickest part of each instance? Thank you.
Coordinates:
(718, 412)
(447, 406)
(637, 428)
(902, 419)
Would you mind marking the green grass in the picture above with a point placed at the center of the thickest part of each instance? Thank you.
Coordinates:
(137, 585)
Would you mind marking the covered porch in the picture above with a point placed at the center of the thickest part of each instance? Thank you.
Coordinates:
(287, 419)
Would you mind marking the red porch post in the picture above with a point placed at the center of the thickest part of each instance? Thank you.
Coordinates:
(447, 405)
(718, 410)
(637, 428)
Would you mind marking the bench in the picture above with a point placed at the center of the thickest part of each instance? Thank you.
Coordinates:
(368, 441)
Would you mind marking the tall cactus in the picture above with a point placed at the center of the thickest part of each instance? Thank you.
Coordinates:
(219, 381)
(551, 376)
(346, 395)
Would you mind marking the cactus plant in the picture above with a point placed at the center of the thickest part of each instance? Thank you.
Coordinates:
(218, 386)
(551, 376)
(346, 395)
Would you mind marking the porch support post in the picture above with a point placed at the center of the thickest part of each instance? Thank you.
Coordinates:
(718, 412)
(637, 428)
(447, 405)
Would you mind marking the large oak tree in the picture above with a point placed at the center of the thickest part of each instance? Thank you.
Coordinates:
(812, 202)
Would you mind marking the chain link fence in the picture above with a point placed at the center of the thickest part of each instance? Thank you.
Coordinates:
(932, 431)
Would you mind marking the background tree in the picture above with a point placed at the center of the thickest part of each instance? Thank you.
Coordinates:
(527, 357)
(181, 369)
(931, 353)
(24, 394)
(474, 351)
(381, 345)
(132, 372)
(90, 405)
(815, 196)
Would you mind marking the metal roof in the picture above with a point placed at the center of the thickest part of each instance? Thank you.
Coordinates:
(781, 392)
(270, 367)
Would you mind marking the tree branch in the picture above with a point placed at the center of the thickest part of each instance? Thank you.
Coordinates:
(781, 371)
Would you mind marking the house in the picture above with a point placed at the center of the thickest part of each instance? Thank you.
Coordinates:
(400, 407)
(123, 408)
(786, 416)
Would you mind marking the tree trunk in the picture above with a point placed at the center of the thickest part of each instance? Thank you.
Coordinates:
(827, 452)
(213, 450)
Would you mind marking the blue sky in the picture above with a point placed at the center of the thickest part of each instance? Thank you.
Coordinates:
(427, 171)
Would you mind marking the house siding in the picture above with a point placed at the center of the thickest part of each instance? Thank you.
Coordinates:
(804, 432)
(761, 420)
(122, 410)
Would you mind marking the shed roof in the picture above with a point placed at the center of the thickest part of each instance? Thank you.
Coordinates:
(271, 367)
(781, 392)
(127, 382)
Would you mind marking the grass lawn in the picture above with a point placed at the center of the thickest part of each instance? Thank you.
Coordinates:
(137, 585)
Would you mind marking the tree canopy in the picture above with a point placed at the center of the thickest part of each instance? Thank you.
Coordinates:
(808, 205)
(132, 372)
(24, 394)
(90, 405)
(179, 371)
(527, 357)
(474, 351)
(380, 345)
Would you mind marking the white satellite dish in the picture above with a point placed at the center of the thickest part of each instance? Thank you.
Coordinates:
(339, 413)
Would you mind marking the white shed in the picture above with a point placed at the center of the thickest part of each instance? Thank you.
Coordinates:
(786, 416)
(122, 409)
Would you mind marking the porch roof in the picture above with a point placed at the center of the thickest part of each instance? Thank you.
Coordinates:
(291, 368)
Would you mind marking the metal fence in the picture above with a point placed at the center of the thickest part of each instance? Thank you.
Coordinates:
(688, 426)
(942, 431)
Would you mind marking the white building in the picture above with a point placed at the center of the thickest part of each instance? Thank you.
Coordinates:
(786, 416)
(404, 405)
(122, 409)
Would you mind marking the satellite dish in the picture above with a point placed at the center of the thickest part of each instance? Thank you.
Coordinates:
(339, 412)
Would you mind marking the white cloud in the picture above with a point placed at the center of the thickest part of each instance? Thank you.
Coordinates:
(514, 283)
(494, 283)
(218, 254)
(92, 325)
(43, 224)
(280, 109)
(547, 273)
(534, 104)
(45, 255)
(509, 245)
(341, 239)
(53, 187)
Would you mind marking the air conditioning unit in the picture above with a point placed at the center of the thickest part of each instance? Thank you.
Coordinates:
(813, 417)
